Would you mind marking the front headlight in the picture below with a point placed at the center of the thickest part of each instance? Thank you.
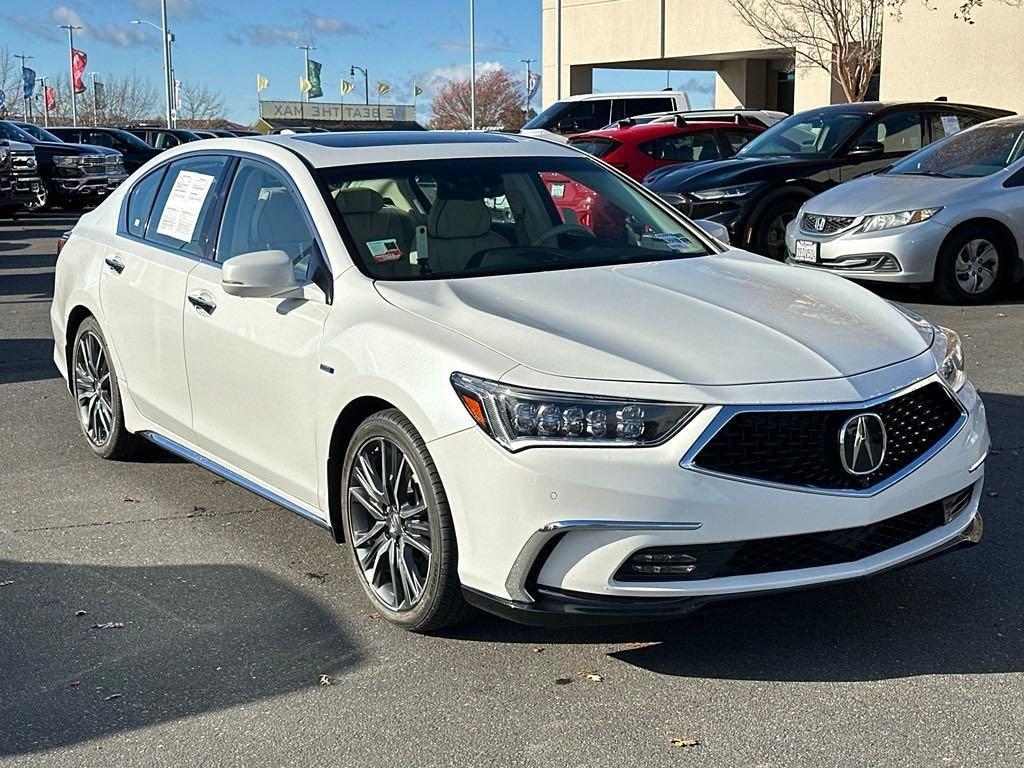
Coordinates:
(952, 367)
(724, 193)
(67, 161)
(520, 418)
(4, 152)
(882, 221)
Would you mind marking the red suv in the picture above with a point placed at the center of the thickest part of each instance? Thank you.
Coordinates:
(639, 149)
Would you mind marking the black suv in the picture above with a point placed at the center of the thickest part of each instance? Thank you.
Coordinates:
(162, 138)
(73, 175)
(20, 185)
(759, 191)
(135, 151)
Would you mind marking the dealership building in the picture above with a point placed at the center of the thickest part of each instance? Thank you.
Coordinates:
(927, 53)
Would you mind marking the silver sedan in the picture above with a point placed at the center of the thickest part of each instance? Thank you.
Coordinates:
(951, 214)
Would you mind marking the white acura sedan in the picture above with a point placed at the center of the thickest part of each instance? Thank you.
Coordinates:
(494, 399)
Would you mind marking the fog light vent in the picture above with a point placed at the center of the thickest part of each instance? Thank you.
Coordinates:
(953, 505)
(648, 563)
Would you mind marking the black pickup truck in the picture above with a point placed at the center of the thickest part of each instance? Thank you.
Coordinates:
(72, 175)
(20, 184)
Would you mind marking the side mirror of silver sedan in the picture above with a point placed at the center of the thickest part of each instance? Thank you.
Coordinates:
(718, 231)
(259, 273)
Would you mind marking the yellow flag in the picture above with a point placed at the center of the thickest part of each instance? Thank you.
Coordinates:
(304, 85)
(261, 83)
(383, 89)
(346, 87)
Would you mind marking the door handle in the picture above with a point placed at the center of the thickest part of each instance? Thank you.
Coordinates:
(202, 301)
(115, 264)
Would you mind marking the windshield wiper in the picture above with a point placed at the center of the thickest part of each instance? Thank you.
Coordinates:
(934, 174)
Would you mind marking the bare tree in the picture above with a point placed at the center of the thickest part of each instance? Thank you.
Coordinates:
(200, 106)
(499, 103)
(842, 37)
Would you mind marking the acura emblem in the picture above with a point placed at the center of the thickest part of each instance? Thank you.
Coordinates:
(862, 442)
(819, 223)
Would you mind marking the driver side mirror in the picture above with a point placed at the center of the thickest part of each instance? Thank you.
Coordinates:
(718, 231)
(259, 274)
(867, 150)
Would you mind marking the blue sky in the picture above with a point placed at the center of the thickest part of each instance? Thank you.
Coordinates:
(224, 43)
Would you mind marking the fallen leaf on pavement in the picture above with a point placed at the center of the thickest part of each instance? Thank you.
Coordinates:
(563, 681)
(75, 683)
(593, 677)
(6, 583)
(317, 576)
(109, 625)
(126, 499)
(685, 742)
(538, 650)
(325, 680)
(374, 615)
(993, 494)
(79, 613)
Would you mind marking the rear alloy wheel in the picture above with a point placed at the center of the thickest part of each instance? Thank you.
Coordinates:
(98, 400)
(969, 267)
(398, 526)
(770, 232)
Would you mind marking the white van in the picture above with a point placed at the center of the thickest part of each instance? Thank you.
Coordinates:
(591, 111)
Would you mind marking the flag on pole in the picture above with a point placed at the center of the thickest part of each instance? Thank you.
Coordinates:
(3, 98)
(313, 76)
(304, 85)
(533, 85)
(346, 87)
(99, 94)
(51, 98)
(28, 78)
(261, 83)
(78, 62)
(383, 89)
(416, 91)
(177, 95)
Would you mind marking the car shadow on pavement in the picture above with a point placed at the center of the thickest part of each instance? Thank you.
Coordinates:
(962, 613)
(90, 651)
(26, 360)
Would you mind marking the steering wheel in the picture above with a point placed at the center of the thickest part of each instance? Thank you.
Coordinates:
(561, 229)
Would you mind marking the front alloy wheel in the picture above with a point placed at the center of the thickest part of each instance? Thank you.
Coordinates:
(398, 525)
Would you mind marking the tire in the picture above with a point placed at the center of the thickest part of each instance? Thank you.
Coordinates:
(769, 238)
(972, 265)
(43, 200)
(97, 396)
(401, 531)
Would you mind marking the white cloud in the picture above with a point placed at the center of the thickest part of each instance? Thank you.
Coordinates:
(308, 31)
(113, 34)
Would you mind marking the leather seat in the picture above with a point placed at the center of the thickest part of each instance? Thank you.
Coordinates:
(456, 231)
(368, 219)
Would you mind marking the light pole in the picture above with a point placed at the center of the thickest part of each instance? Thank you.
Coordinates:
(472, 65)
(527, 62)
(168, 38)
(366, 80)
(305, 50)
(26, 101)
(71, 61)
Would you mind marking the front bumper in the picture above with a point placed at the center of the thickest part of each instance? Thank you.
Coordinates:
(543, 533)
(86, 187)
(26, 188)
(900, 255)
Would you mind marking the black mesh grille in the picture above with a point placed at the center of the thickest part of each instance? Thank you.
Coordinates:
(802, 447)
(785, 553)
(828, 224)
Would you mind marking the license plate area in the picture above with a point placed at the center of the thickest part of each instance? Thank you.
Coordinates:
(806, 252)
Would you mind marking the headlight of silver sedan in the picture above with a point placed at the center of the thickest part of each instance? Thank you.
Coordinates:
(520, 418)
(880, 221)
(952, 366)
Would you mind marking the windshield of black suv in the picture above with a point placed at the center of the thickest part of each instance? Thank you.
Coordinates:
(980, 151)
(40, 133)
(11, 132)
(470, 217)
(808, 134)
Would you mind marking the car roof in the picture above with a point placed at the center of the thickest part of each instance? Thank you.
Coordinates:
(646, 131)
(622, 95)
(359, 147)
(871, 107)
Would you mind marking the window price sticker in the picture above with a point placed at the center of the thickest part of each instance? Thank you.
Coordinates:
(181, 211)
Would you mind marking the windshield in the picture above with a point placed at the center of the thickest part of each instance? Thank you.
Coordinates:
(470, 217)
(549, 116)
(130, 139)
(594, 145)
(12, 132)
(809, 134)
(40, 133)
(977, 152)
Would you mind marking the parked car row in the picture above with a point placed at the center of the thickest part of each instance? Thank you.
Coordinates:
(76, 167)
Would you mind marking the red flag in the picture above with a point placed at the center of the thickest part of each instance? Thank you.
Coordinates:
(51, 98)
(78, 59)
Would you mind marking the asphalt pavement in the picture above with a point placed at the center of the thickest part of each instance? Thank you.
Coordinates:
(152, 614)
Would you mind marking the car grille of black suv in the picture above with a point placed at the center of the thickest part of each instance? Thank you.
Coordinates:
(801, 447)
(826, 225)
(786, 553)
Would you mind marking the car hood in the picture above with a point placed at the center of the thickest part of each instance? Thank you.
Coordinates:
(67, 148)
(715, 173)
(726, 319)
(889, 193)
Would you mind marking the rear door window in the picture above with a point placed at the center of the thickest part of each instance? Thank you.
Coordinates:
(737, 138)
(100, 139)
(948, 122)
(140, 202)
(183, 203)
(898, 133)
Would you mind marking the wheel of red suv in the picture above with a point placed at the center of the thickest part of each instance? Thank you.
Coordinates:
(770, 230)
(97, 398)
(398, 526)
(971, 265)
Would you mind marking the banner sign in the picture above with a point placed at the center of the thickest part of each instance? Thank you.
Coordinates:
(100, 94)
(78, 61)
(28, 77)
(534, 85)
(313, 76)
(302, 110)
(51, 98)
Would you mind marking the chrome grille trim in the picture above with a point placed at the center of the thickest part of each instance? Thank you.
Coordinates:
(829, 225)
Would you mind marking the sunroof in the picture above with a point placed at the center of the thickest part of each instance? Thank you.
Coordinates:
(400, 138)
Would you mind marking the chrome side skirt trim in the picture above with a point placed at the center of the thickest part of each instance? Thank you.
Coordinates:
(515, 583)
(728, 411)
(209, 464)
